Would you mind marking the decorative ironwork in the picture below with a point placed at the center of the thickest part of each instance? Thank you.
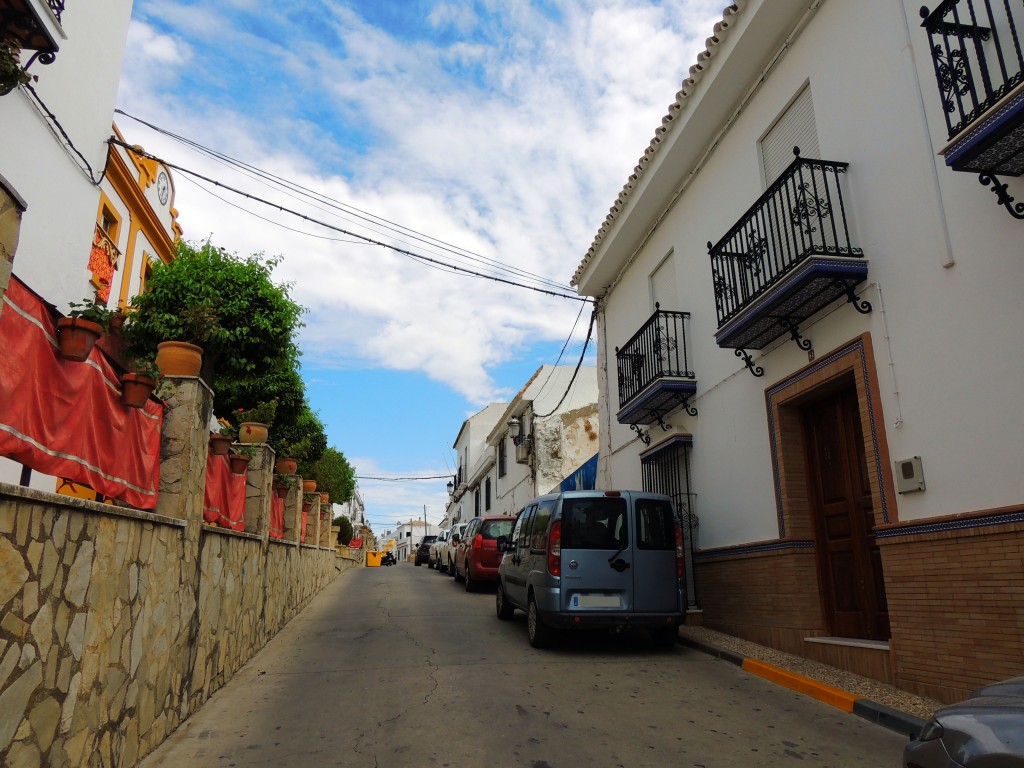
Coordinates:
(748, 361)
(1004, 198)
(802, 214)
(656, 351)
(861, 305)
(645, 437)
(977, 55)
(661, 423)
(794, 332)
(57, 7)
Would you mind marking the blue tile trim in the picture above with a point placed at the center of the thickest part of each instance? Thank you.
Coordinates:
(753, 548)
(965, 524)
(857, 347)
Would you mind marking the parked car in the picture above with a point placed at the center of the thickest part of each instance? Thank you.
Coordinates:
(476, 554)
(448, 554)
(423, 550)
(985, 730)
(594, 559)
(433, 558)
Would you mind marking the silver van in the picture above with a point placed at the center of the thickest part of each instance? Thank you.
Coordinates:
(594, 559)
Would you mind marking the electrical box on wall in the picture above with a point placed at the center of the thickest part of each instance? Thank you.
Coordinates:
(909, 475)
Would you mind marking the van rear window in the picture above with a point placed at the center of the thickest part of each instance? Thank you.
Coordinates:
(594, 523)
(655, 524)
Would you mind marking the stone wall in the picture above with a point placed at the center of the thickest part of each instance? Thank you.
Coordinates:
(117, 624)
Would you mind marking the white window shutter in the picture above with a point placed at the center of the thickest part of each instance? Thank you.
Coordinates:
(794, 128)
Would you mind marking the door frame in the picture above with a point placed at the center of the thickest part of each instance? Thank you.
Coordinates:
(794, 505)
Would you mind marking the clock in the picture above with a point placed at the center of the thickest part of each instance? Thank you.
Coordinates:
(163, 187)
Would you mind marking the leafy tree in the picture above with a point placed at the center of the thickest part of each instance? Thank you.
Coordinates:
(345, 526)
(332, 473)
(307, 432)
(231, 307)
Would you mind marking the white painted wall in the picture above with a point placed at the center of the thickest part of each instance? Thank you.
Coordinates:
(952, 311)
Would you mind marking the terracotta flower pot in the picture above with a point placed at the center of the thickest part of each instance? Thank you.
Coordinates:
(219, 444)
(239, 463)
(286, 466)
(177, 358)
(77, 337)
(308, 486)
(136, 389)
(306, 506)
(281, 491)
(252, 432)
(325, 497)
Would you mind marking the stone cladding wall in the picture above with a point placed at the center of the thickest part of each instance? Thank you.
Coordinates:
(117, 624)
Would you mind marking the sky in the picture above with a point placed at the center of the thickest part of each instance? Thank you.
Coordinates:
(489, 134)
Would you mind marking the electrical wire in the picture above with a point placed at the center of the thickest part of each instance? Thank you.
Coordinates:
(277, 182)
(564, 347)
(583, 353)
(55, 123)
(349, 233)
(402, 479)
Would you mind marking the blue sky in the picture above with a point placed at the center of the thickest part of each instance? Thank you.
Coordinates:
(502, 127)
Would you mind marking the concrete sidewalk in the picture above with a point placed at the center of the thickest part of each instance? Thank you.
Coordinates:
(853, 693)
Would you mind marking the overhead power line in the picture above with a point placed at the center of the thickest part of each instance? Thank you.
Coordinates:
(402, 479)
(583, 353)
(411, 254)
(351, 212)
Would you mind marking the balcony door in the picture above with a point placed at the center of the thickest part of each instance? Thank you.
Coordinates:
(849, 561)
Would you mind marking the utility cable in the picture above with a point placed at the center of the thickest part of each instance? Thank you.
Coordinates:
(270, 179)
(568, 389)
(52, 119)
(401, 479)
(349, 233)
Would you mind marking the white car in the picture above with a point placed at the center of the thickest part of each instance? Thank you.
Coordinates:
(433, 559)
(446, 563)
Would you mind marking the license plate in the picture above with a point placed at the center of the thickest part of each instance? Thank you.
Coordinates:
(594, 601)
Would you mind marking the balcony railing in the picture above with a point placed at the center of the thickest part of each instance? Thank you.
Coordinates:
(656, 351)
(801, 215)
(32, 25)
(976, 50)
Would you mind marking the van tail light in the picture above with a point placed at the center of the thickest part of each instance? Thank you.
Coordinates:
(555, 549)
(478, 541)
(680, 570)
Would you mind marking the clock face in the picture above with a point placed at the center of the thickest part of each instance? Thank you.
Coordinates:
(163, 188)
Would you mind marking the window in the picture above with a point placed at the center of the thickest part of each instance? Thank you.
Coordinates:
(794, 128)
(655, 527)
(539, 539)
(594, 523)
(476, 502)
(501, 456)
(521, 534)
(487, 494)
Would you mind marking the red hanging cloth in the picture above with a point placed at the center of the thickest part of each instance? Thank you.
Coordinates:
(224, 497)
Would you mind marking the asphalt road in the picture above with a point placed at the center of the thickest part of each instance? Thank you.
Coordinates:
(401, 667)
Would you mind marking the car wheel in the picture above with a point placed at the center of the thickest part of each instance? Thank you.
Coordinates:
(441, 567)
(470, 584)
(665, 637)
(455, 572)
(502, 606)
(537, 631)
(416, 563)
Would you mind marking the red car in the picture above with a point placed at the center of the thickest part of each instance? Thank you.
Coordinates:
(476, 552)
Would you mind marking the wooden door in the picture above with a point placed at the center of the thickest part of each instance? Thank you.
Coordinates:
(849, 561)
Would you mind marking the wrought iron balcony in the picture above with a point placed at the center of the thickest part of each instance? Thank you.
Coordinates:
(654, 372)
(789, 256)
(32, 25)
(979, 69)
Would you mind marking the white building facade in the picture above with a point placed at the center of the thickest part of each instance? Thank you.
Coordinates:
(814, 354)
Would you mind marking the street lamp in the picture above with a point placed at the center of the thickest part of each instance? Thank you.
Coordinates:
(515, 431)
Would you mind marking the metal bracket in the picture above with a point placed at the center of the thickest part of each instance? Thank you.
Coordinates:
(794, 331)
(861, 305)
(748, 361)
(1005, 198)
(645, 437)
(684, 400)
(661, 422)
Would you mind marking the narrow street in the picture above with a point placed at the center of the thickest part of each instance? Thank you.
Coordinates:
(401, 667)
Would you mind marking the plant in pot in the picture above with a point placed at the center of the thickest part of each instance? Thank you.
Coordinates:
(240, 457)
(221, 440)
(254, 423)
(139, 384)
(308, 498)
(11, 72)
(288, 457)
(283, 485)
(78, 333)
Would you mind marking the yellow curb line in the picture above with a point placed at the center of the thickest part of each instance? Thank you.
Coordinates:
(826, 693)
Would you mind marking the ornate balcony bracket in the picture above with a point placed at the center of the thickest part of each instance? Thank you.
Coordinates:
(748, 361)
(43, 57)
(645, 437)
(861, 305)
(794, 331)
(1003, 197)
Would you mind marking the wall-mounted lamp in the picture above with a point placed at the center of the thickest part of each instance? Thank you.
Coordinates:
(450, 487)
(515, 430)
